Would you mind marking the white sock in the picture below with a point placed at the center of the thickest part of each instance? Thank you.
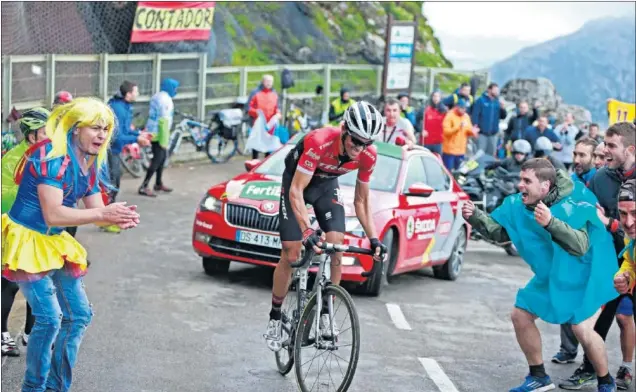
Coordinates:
(627, 365)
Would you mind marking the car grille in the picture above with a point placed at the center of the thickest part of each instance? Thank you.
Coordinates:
(250, 218)
(255, 252)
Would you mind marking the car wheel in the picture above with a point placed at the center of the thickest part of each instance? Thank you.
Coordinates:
(373, 285)
(215, 267)
(511, 250)
(453, 266)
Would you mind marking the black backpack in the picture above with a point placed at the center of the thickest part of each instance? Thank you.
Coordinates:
(286, 79)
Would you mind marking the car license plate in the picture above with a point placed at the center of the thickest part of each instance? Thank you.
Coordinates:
(250, 237)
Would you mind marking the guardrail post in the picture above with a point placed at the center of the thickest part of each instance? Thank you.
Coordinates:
(157, 71)
(6, 86)
(327, 88)
(203, 79)
(431, 81)
(243, 82)
(378, 78)
(50, 77)
(103, 76)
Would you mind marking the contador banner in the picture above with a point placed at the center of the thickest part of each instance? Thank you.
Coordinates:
(157, 21)
(620, 111)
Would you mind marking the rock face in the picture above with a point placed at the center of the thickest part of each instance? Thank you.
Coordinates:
(255, 33)
(588, 66)
(542, 90)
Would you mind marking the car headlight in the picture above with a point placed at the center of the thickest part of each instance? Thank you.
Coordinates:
(353, 226)
(210, 203)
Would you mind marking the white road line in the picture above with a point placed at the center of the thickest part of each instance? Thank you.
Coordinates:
(398, 317)
(436, 373)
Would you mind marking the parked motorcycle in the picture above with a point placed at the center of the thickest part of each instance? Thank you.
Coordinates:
(487, 189)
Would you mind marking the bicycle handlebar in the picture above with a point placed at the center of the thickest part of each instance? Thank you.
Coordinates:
(329, 248)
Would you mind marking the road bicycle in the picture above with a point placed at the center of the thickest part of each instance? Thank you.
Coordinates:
(221, 138)
(299, 322)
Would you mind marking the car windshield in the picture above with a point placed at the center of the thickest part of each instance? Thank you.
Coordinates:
(383, 179)
(275, 164)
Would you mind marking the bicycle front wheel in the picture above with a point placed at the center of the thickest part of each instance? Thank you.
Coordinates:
(326, 361)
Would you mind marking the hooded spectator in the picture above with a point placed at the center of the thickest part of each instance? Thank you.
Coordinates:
(266, 101)
(159, 123)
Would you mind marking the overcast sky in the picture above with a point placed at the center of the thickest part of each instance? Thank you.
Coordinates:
(483, 33)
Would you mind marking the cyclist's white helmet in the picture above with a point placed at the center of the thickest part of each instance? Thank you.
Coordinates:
(364, 121)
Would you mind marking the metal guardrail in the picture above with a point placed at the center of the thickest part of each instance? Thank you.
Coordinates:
(32, 80)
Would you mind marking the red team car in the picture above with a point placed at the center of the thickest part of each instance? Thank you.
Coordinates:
(416, 209)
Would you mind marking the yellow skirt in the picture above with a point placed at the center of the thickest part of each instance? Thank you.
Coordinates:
(28, 251)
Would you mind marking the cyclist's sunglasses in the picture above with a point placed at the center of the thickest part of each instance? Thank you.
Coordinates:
(358, 142)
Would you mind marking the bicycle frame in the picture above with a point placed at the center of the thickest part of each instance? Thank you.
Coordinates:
(322, 280)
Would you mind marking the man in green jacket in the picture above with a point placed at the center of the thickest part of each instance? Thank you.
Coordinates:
(554, 225)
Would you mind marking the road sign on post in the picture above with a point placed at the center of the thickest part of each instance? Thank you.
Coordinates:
(399, 58)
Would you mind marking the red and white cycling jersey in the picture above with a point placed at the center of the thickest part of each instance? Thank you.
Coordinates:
(318, 154)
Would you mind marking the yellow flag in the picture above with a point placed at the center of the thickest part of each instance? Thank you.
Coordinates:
(620, 111)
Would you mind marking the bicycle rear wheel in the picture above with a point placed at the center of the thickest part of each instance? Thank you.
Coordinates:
(327, 351)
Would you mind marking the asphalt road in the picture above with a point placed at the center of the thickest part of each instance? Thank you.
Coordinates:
(161, 324)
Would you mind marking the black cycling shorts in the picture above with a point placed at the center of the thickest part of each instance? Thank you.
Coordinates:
(328, 208)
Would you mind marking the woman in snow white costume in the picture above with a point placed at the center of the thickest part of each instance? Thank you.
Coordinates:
(45, 261)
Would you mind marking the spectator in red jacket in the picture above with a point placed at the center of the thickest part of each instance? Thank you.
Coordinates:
(432, 125)
(265, 100)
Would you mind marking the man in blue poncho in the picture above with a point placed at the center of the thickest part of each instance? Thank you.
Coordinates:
(554, 225)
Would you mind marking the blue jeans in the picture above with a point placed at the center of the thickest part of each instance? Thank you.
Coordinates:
(434, 148)
(62, 314)
(452, 162)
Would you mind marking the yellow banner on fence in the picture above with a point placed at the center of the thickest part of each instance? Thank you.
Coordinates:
(620, 111)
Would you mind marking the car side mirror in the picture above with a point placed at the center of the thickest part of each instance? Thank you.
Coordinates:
(251, 164)
(419, 189)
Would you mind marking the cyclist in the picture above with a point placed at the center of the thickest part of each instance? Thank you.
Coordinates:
(311, 176)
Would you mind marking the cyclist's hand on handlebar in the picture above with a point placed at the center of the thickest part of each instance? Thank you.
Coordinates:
(313, 238)
(379, 248)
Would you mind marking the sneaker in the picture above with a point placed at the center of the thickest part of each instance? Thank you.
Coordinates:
(325, 327)
(607, 387)
(579, 379)
(273, 335)
(162, 188)
(111, 229)
(563, 358)
(623, 378)
(9, 347)
(146, 192)
(535, 384)
(25, 339)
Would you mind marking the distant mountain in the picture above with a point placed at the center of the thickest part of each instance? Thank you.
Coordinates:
(587, 67)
